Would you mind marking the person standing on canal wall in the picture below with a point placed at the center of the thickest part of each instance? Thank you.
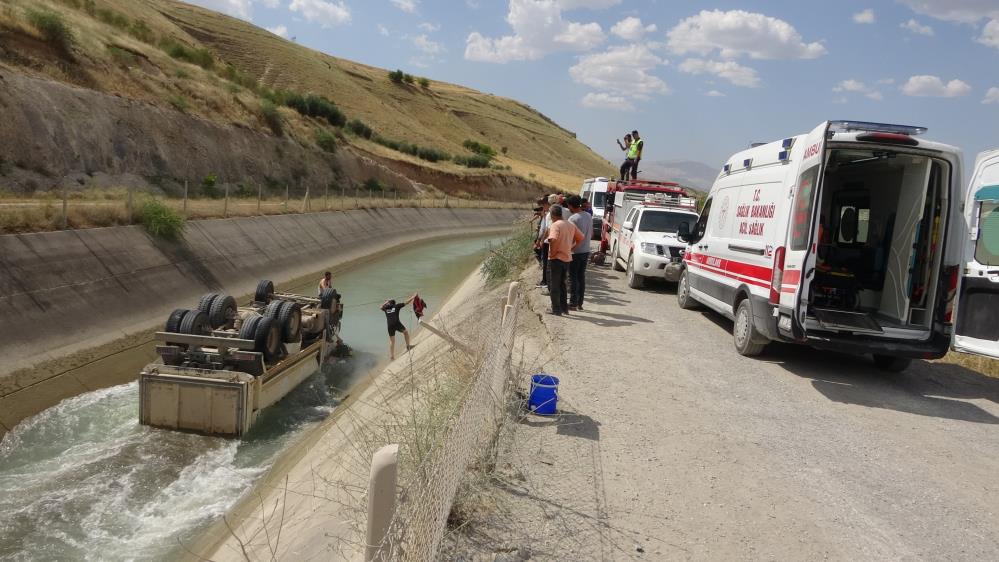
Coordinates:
(562, 237)
(580, 252)
(391, 309)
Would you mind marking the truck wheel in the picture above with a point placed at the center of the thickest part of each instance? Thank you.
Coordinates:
(249, 328)
(195, 323)
(222, 312)
(744, 332)
(683, 298)
(614, 256)
(327, 297)
(265, 290)
(272, 309)
(267, 338)
(635, 281)
(289, 318)
(205, 304)
(173, 322)
(891, 363)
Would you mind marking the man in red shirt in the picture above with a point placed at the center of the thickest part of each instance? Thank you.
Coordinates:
(562, 237)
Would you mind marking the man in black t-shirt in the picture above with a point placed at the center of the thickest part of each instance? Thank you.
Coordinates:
(391, 310)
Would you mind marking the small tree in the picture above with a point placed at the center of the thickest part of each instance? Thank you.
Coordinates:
(408, 78)
(53, 29)
(326, 140)
(396, 76)
(424, 83)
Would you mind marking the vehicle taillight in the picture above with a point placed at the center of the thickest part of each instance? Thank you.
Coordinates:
(952, 275)
(890, 138)
(778, 276)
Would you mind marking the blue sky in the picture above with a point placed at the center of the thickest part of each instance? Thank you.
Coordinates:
(701, 80)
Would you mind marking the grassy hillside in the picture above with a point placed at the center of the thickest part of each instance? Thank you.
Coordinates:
(225, 70)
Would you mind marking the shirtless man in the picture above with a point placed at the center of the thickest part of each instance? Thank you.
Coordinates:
(325, 282)
(391, 310)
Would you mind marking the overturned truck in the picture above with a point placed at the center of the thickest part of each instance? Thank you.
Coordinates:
(221, 364)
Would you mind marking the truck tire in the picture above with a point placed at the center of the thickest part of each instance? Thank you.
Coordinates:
(683, 298)
(326, 298)
(205, 304)
(195, 323)
(249, 328)
(891, 363)
(272, 309)
(222, 312)
(747, 339)
(635, 281)
(267, 338)
(265, 291)
(289, 318)
(614, 256)
(173, 322)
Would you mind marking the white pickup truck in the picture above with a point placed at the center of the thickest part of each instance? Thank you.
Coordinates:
(646, 244)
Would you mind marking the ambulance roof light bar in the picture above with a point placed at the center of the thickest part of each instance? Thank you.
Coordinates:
(868, 127)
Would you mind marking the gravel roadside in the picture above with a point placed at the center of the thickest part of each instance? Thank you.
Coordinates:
(669, 445)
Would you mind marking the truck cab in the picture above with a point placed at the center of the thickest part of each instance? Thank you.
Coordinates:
(646, 244)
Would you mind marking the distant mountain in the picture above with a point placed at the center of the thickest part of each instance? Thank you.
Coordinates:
(697, 175)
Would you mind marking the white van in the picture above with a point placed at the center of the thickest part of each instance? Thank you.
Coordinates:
(594, 190)
(851, 238)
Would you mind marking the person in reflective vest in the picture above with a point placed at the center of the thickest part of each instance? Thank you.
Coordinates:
(635, 153)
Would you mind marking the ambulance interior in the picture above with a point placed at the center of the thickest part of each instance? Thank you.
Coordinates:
(879, 243)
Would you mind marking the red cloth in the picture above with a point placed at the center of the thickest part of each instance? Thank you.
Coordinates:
(419, 305)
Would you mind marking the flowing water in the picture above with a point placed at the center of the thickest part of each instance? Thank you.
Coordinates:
(84, 481)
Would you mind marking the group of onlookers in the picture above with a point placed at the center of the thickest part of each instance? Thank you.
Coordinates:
(562, 247)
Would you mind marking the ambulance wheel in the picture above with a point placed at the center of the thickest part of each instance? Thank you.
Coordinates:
(265, 290)
(635, 281)
(683, 298)
(744, 332)
(614, 264)
(222, 311)
(891, 363)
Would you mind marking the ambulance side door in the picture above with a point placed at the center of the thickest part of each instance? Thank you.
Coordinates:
(977, 327)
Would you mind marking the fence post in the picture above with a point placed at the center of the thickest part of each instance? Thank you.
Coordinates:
(185, 199)
(357, 194)
(326, 197)
(225, 206)
(287, 195)
(381, 500)
(305, 201)
(260, 196)
(129, 206)
(65, 209)
(512, 295)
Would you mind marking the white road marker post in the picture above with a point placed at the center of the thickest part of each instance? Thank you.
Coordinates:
(381, 500)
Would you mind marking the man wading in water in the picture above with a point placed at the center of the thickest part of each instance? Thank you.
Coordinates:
(326, 282)
(391, 310)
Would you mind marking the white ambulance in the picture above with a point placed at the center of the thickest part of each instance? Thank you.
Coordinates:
(857, 237)
(594, 190)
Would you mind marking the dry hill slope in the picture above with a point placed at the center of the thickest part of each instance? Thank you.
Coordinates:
(178, 58)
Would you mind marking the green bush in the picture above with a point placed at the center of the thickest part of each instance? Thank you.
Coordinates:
(272, 117)
(396, 76)
(53, 29)
(178, 102)
(236, 76)
(432, 154)
(480, 149)
(112, 18)
(326, 140)
(372, 184)
(209, 181)
(193, 55)
(312, 105)
(473, 161)
(510, 257)
(141, 31)
(160, 220)
(424, 83)
(359, 128)
(408, 78)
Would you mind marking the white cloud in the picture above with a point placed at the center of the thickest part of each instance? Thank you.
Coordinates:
(623, 71)
(607, 101)
(917, 28)
(279, 30)
(538, 29)
(631, 29)
(729, 70)
(875, 95)
(992, 96)
(408, 6)
(271, 3)
(963, 11)
(382, 30)
(866, 16)
(237, 8)
(850, 86)
(990, 34)
(588, 4)
(429, 27)
(857, 87)
(715, 94)
(737, 33)
(933, 86)
(427, 46)
(325, 13)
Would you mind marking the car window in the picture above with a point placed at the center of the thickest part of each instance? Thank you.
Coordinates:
(701, 227)
(658, 221)
(801, 215)
(599, 198)
(987, 246)
(631, 215)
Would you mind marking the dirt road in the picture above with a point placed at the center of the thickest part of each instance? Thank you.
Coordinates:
(672, 446)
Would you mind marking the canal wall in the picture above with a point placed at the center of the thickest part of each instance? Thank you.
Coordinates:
(64, 292)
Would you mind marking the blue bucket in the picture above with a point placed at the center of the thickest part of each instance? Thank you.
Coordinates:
(544, 394)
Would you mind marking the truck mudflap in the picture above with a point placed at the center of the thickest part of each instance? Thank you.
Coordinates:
(198, 400)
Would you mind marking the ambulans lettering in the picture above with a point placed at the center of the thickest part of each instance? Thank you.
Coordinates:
(812, 150)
